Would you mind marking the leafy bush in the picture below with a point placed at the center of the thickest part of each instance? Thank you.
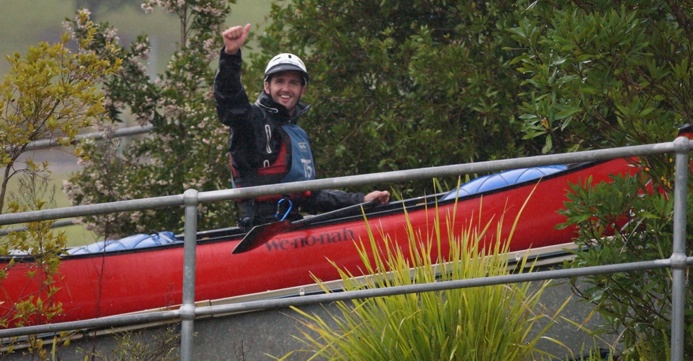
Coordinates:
(599, 76)
(602, 74)
(636, 305)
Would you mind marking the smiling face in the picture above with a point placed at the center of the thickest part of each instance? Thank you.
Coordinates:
(286, 88)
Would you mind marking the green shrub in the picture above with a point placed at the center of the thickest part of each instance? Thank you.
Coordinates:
(635, 305)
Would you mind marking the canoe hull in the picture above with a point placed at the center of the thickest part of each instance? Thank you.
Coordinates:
(107, 284)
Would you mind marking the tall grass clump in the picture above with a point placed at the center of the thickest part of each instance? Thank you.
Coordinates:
(497, 322)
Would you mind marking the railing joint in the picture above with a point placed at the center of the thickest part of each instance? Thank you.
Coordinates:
(678, 261)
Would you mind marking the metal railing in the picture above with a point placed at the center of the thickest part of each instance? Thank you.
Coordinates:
(188, 312)
(121, 132)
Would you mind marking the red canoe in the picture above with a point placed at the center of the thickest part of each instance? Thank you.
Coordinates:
(115, 282)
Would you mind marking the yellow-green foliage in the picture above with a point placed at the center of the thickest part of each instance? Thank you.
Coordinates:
(497, 322)
(50, 93)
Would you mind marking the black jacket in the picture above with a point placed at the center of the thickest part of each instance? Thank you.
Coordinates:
(248, 143)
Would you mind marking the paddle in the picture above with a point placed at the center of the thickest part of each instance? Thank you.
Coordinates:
(262, 233)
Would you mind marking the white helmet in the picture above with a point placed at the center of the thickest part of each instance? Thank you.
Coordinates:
(286, 62)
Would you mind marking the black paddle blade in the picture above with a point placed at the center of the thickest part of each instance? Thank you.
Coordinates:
(259, 235)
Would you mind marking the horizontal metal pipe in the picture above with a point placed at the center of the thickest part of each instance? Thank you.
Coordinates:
(161, 316)
(122, 132)
(431, 287)
(341, 182)
(92, 209)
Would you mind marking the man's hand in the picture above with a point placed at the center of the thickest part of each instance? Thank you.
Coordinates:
(234, 38)
(381, 196)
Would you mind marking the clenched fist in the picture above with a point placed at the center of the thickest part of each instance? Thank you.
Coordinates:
(234, 38)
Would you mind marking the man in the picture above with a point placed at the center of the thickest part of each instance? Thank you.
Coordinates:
(266, 146)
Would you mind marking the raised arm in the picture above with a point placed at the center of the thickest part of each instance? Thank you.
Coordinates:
(229, 94)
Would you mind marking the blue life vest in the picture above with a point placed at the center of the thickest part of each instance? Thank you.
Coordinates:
(302, 165)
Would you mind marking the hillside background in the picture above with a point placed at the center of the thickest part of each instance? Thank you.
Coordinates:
(26, 23)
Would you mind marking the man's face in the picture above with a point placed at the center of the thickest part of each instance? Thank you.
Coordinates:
(286, 89)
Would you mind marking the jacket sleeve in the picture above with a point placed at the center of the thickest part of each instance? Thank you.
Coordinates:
(328, 200)
(230, 96)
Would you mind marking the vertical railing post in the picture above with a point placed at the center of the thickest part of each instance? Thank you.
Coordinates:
(678, 257)
(187, 310)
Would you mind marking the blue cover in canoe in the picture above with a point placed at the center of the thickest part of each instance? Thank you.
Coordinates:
(503, 179)
(131, 242)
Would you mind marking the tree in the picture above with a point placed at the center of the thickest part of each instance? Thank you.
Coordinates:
(606, 74)
(401, 85)
(52, 93)
(187, 147)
